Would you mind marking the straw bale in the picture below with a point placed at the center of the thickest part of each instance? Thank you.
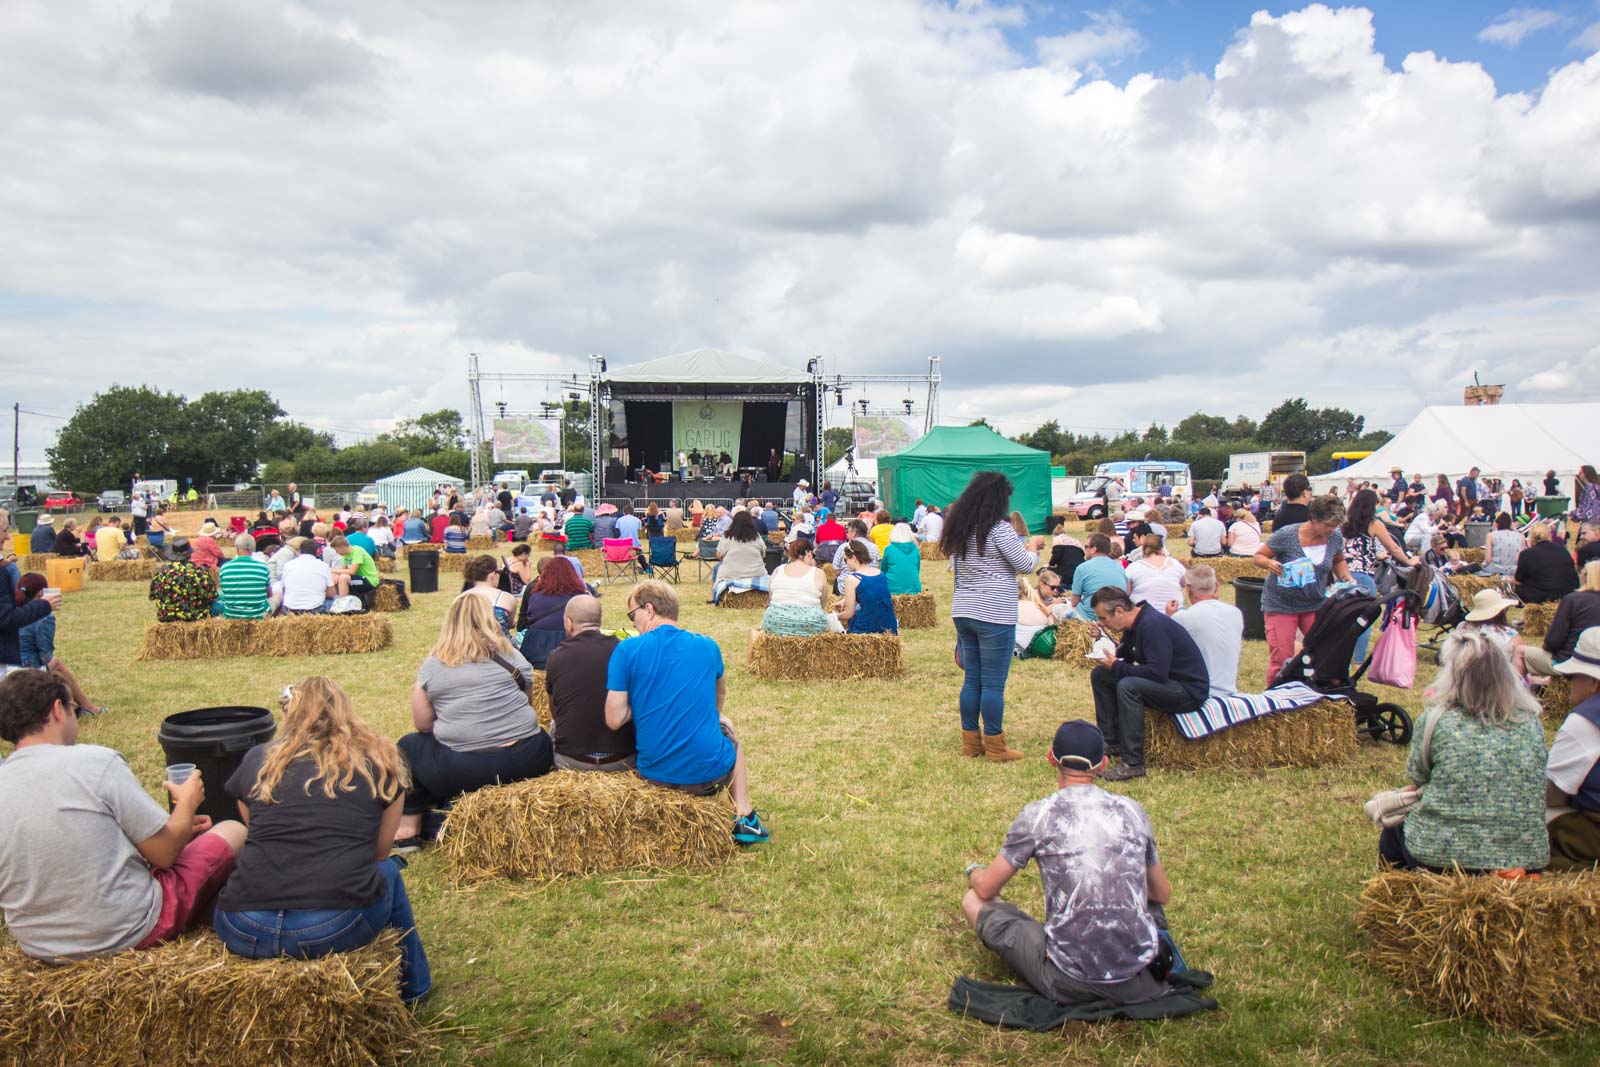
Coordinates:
(122, 570)
(35, 562)
(1556, 700)
(592, 560)
(540, 699)
(190, 1001)
(916, 611)
(1471, 555)
(1522, 954)
(745, 599)
(386, 565)
(420, 546)
(1536, 619)
(283, 635)
(825, 657)
(1228, 568)
(481, 543)
(1074, 638)
(686, 535)
(575, 823)
(1468, 586)
(1322, 735)
(930, 550)
(386, 598)
(831, 573)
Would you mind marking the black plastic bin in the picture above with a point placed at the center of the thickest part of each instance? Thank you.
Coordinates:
(1247, 598)
(215, 741)
(424, 571)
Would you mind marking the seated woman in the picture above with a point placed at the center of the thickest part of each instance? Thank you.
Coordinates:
(156, 533)
(455, 535)
(479, 525)
(1489, 616)
(798, 590)
(1482, 775)
(315, 877)
(539, 627)
(1545, 572)
(1155, 577)
(38, 643)
(519, 570)
(868, 607)
(482, 578)
(474, 724)
(1572, 786)
(1033, 622)
(654, 523)
(67, 542)
(743, 555)
(902, 561)
(382, 535)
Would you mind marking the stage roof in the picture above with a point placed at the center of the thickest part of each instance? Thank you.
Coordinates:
(706, 366)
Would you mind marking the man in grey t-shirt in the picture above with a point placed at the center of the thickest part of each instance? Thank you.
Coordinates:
(1103, 886)
(89, 864)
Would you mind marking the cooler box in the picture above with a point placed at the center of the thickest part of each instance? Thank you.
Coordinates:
(65, 574)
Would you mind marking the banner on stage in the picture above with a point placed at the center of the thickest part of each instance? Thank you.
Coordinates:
(707, 426)
(879, 435)
(531, 441)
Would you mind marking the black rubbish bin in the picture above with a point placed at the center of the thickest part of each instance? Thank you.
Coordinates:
(424, 571)
(215, 741)
(1247, 598)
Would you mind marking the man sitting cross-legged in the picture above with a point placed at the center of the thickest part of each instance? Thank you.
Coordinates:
(575, 677)
(670, 684)
(89, 864)
(1103, 887)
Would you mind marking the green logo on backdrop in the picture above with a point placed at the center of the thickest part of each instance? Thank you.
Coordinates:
(707, 426)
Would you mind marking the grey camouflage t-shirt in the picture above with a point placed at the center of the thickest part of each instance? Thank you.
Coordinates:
(1093, 849)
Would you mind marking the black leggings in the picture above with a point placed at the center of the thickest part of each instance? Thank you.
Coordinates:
(439, 773)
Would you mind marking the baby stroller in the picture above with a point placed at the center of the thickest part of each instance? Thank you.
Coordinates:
(1323, 662)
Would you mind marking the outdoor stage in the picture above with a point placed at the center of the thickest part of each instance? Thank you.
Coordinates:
(715, 491)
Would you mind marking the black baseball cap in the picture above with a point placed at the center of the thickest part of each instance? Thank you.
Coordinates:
(1079, 745)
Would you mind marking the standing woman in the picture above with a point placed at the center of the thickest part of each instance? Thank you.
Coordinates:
(987, 556)
(315, 876)
(1585, 501)
(1443, 493)
(1514, 497)
(1364, 533)
(1552, 484)
(1301, 559)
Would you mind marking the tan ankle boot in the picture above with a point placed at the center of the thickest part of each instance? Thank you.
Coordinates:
(971, 743)
(994, 747)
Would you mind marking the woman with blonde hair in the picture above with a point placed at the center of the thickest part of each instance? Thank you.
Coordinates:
(1545, 572)
(1155, 577)
(315, 877)
(1033, 618)
(474, 723)
(1481, 772)
(1244, 534)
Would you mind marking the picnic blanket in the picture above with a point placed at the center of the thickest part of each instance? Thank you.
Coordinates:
(1020, 1007)
(741, 585)
(1219, 713)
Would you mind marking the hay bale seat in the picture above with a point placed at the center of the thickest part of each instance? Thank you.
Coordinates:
(745, 600)
(825, 657)
(386, 565)
(593, 562)
(576, 823)
(1536, 620)
(1521, 954)
(1322, 735)
(1556, 700)
(1227, 568)
(1468, 586)
(282, 635)
(122, 570)
(386, 598)
(686, 535)
(916, 611)
(35, 562)
(190, 1001)
(1471, 555)
(931, 550)
(482, 543)
(539, 697)
(1074, 637)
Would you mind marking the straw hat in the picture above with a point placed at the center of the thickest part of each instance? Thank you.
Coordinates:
(47, 519)
(1585, 658)
(1488, 604)
(209, 529)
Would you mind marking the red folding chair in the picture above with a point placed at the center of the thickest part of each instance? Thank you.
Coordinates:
(619, 559)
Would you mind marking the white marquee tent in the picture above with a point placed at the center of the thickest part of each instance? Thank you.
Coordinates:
(412, 488)
(1503, 441)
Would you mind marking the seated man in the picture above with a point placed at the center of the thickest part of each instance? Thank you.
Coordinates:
(355, 532)
(89, 864)
(1099, 570)
(1157, 665)
(246, 583)
(1572, 780)
(670, 684)
(1104, 888)
(308, 585)
(575, 677)
(356, 573)
(1217, 628)
(111, 543)
(1206, 534)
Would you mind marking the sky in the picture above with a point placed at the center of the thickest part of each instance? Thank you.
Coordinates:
(1109, 215)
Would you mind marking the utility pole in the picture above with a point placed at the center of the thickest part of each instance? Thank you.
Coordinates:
(16, 441)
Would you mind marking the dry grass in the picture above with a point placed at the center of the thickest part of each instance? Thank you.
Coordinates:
(191, 1002)
(1074, 638)
(835, 657)
(35, 562)
(916, 611)
(1228, 568)
(1556, 700)
(284, 635)
(539, 697)
(1536, 619)
(1521, 954)
(745, 600)
(1322, 735)
(571, 823)
(387, 599)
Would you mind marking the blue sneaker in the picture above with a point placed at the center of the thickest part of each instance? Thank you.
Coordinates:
(747, 830)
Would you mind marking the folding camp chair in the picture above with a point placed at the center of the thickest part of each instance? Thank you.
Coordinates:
(705, 558)
(618, 558)
(664, 557)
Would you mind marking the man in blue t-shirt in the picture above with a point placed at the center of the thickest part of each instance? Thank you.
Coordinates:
(669, 683)
(1097, 571)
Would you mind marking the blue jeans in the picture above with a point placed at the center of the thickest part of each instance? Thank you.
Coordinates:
(985, 649)
(1370, 584)
(311, 934)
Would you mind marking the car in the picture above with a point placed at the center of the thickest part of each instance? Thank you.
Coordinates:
(113, 500)
(63, 502)
(369, 496)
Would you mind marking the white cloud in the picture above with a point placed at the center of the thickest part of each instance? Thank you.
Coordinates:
(366, 195)
(1512, 27)
(1589, 39)
(1107, 39)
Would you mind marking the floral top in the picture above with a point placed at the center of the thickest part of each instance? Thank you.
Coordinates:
(183, 592)
(1483, 795)
(1586, 502)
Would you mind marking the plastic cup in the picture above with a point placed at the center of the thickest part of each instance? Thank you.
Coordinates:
(51, 590)
(178, 773)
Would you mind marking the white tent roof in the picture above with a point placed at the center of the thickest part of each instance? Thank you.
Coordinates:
(1502, 440)
(419, 476)
(710, 366)
(866, 471)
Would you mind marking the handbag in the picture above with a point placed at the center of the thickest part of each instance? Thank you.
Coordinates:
(1389, 807)
(1394, 660)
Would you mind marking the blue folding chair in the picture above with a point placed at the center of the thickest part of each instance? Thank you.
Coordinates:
(664, 557)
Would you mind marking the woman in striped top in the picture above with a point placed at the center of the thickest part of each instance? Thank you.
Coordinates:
(988, 555)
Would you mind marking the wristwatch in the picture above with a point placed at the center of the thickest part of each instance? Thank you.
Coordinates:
(973, 867)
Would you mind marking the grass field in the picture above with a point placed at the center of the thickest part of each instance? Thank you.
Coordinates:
(838, 941)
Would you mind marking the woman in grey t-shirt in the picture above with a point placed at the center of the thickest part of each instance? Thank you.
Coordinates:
(1301, 558)
(474, 724)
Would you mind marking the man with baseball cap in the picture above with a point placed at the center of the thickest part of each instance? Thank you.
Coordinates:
(1572, 778)
(1103, 887)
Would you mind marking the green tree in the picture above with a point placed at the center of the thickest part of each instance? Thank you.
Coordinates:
(575, 435)
(221, 435)
(1295, 424)
(428, 433)
(286, 439)
(1047, 438)
(836, 441)
(1202, 427)
(1155, 435)
(370, 461)
(120, 432)
(1322, 459)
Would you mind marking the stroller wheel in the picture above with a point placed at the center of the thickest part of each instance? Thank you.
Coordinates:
(1391, 723)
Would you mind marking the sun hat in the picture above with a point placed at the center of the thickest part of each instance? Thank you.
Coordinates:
(1488, 603)
(1079, 745)
(47, 519)
(606, 509)
(1585, 659)
(177, 549)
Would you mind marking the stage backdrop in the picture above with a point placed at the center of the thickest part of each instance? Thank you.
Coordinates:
(707, 425)
(879, 435)
(530, 441)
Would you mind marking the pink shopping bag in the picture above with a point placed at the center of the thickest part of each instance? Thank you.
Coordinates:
(1394, 661)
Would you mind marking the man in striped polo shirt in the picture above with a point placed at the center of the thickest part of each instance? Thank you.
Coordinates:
(246, 583)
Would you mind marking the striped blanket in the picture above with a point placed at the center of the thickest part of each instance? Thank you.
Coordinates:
(740, 585)
(1219, 713)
